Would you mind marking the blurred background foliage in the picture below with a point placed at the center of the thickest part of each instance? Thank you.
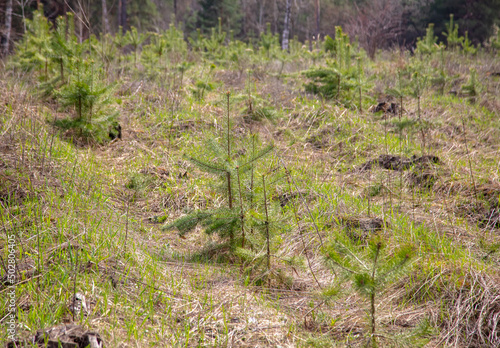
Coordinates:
(376, 24)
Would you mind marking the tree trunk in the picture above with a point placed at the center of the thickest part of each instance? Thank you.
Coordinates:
(80, 26)
(123, 15)
(308, 34)
(8, 27)
(286, 30)
(175, 11)
(261, 16)
(105, 21)
(245, 16)
(317, 19)
(119, 15)
(275, 17)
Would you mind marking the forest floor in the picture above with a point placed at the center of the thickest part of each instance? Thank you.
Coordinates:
(88, 217)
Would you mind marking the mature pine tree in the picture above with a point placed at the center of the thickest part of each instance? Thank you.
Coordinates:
(228, 10)
(207, 17)
(143, 14)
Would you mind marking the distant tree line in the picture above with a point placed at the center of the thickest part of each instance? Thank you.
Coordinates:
(376, 23)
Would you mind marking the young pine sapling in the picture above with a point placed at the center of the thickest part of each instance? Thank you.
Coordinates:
(371, 269)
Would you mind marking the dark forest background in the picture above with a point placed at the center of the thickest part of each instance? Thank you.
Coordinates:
(377, 23)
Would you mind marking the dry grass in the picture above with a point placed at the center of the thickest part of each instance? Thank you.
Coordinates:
(152, 293)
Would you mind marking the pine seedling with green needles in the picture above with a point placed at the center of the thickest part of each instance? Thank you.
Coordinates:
(176, 45)
(69, 77)
(153, 54)
(399, 93)
(452, 37)
(135, 39)
(214, 44)
(371, 269)
(64, 48)
(324, 81)
(332, 83)
(165, 48)
(196, 41)
(181, 68)
(269, 42)
(362, 83)
(340, 80)
(440, 78)
(91, 101)
(467, 46)
(203, 84)
(428, 44)
(315, 55)
(200, 87)
(105, 51)
(232, 170)
(494, 40)
(340, 48)
(471, 89)
(226, 221)
(238, 55)
(33, 52)
(329, 44)
(418, 84)
(261, 259)
(64, 42)
(120, 41)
